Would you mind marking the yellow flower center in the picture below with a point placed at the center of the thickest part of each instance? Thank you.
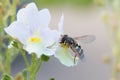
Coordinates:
(35, 39)
(64, 46)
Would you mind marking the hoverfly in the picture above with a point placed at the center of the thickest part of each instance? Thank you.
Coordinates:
(74, 45)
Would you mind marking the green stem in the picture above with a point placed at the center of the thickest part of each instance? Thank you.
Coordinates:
(115, 70)
(2, 66)
(25, 58)
(13, 10)
(8, 61)
(116, 52)
(39, 66)
(32, 78)
(25, 74)
(35, 70)
(33, 63)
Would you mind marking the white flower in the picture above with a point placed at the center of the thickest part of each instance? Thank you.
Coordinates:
(63, 52)
(31, 29)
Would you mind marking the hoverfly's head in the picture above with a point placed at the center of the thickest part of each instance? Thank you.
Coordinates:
(63, 38)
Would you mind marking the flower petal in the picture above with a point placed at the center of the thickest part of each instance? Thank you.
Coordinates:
(49, 36)
(35, 48)
(19, 31)
(44, 17)
(60, 25)
(29, 11)
(65, 57)
(30, 17)
(39, 49)
(49, 52)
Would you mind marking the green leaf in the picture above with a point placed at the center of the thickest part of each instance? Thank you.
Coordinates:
(15, 44)
(52, 78)
(45, 58)
(7, 77)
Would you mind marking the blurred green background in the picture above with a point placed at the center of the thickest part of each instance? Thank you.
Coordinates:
(44, 3)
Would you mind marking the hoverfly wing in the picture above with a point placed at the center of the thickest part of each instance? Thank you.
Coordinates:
(82, 56)
(85, 38)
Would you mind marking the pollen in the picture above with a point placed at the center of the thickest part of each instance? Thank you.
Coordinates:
(35, 39)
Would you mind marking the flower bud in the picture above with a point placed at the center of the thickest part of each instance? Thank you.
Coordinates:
(19, 77)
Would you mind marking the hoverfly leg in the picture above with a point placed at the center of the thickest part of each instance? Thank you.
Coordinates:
(75, 54)
(75, 58)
